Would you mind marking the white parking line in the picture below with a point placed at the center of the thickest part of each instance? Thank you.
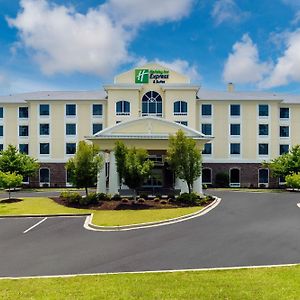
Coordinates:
(298, 205)
(38, 223)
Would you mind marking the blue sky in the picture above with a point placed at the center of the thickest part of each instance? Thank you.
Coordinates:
(82, 44)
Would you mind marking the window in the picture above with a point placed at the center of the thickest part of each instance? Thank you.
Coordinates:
(70, 109)
(235, 110)
(263, 176)
(123, 108)
(284, 131)
(283, 149)
(97, 110)
(1, 147)
(152, 104)
(44, 129)
(263, 110)
(235, 129)
(263, 129)
(206, 176)
(44, 109)
(23, 130)
(235, 148)
(23, 112)
(97, 127)
(44, 148)
(206, 109)
(1, 112)
(284, 112)
(263, 149)
(70, 129)
(70, 148)
(234, 176)
(23, 148)
(206, 129)
(180, 108)
(185, 123)
(207, 149)
(1, 130)
(44, 175)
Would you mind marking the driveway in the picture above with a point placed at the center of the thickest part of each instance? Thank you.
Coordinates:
(246, 229)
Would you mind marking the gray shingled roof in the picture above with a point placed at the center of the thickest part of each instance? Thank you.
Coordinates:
(54, 95)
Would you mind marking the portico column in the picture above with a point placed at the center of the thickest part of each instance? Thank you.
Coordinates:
(101, 176)
(181, 185)
(197, 185)
(113, 174)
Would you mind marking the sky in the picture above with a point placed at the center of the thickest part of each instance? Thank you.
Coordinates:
(83, 44)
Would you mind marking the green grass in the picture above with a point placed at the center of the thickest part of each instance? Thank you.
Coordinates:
(44, 205)
(269, 283)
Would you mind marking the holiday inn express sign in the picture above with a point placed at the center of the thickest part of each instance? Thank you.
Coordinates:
(151, 76)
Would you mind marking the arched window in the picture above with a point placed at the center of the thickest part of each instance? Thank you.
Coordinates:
(180, 108)
(44, 177)
(206, 176)
(234, 176)
(152, 104)
(123, 108)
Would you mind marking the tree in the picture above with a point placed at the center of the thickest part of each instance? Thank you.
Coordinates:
(84, 166)
(120, 154)
(285, 164)
(11, 160)
(184, 158)
(135, 167)
(10, 180)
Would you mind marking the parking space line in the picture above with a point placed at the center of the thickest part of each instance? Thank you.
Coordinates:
(38, 223)
(298, 204)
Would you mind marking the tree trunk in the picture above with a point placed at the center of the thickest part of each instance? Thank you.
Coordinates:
(8, 193)
(86, 191)
(189, 187)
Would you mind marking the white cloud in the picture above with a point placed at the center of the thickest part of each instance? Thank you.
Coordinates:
(227, 11)
(287, 67)
(243, 64)
(4, 81)
(294, 3)
(64, 41)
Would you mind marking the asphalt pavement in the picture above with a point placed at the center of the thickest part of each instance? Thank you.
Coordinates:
(245, 229)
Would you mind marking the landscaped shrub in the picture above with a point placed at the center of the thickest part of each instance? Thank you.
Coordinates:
(144, 196)
(103, 197)
(141, 200)
(222, 179)
(204, 186)
(89, 199)
(125, 200)
(163, 202)
(156, 199)
(293, 181)
(188, 199)
(116, 197)
(71, 198)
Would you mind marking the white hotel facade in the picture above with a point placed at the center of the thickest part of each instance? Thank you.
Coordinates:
(237, 131)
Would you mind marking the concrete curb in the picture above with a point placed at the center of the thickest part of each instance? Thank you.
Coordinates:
(43, 216)
(90, 226)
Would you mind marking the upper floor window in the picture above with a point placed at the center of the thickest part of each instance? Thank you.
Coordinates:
(283, 149)
(70, 129)
(152, 104)
(97, 110)
(263, 129)
(206, 129)
(70, 109)
(235, 129)
(263, 149)
(235, 148)
(284, 112)
(44, 148)
(1, 130)
(206, 110)
(23, 130)
(97, 127)
(70, 148)
(263, 110)
(207, 149)
(44, 110)
(44, 129)
(23, 148)
(123, 108)
(180, 108)
(235, 110)
(1, 112)
(23, 112)
(284, 131)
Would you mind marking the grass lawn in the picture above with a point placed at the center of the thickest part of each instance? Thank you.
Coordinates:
(268, 283)
(43, 205)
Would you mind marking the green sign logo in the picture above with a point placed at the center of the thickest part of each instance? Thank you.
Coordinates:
(141, 76)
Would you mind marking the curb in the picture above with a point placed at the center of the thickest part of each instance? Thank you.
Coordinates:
(44, 216)
(90, 226)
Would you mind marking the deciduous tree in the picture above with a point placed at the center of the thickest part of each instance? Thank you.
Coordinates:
(10, 181)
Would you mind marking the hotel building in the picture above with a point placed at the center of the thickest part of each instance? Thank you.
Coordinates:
(237, 131)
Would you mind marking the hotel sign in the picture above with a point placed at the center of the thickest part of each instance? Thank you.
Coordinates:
(151, 76)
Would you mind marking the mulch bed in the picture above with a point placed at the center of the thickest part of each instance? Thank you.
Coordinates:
(11, 200)
(119, 205)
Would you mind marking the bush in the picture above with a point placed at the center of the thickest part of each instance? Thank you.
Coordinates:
(171, 196)
(188, 199)
(156, 199)
(144, 196)
(102, 197)
(89, 199)
(71, 198)
(125, 200)
(116, 197)
(222, 179)
(293, 181)
(141, 200)
(163, 202)
(204, 186)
